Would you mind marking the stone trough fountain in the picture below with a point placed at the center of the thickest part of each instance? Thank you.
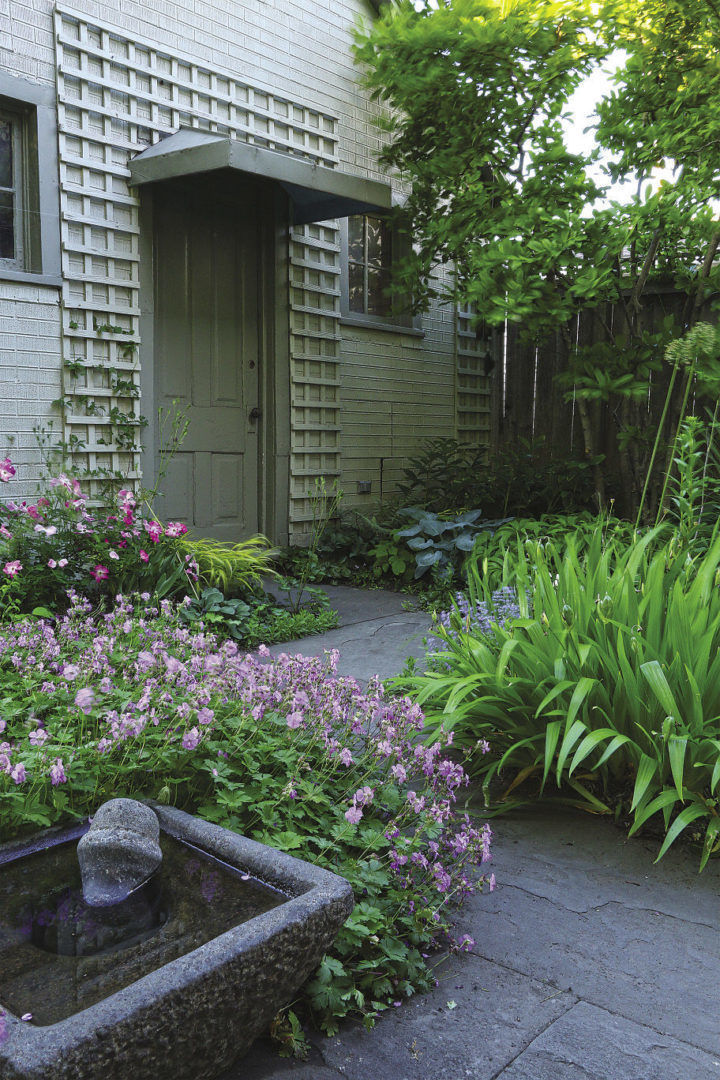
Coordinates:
(158, 946)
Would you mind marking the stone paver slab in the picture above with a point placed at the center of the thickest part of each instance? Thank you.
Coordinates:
(588, 1043)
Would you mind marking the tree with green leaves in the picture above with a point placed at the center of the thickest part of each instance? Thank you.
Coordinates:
(477, 91)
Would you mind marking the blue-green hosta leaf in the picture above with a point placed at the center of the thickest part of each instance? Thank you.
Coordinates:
(465, 541)
(468, 517)
(419, 544)
(428, 558)
(412, 530)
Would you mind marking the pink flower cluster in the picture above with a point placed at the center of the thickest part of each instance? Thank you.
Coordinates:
(88, 543)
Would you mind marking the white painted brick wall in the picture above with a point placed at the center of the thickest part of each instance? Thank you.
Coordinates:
(30, 373)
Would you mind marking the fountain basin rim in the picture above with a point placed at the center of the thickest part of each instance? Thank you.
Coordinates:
(310, 890)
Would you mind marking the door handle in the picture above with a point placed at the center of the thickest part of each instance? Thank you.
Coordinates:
(255, 414)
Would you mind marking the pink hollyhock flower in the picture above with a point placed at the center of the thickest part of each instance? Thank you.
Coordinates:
(62, 562)
(154, 530)
(113, 555)
(12, 568)
(144, 555)
(32, 512)
(57, 773)
(7, 470)
(126, 499)
(5, 532)
(52, 564)
(100, 573)
(175, 528)
(49, 530)
(85, 699)
(61, 481)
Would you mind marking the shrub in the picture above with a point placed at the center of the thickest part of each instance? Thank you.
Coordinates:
(134, 703)
(58, 543)
(524, 479)
(607, 685)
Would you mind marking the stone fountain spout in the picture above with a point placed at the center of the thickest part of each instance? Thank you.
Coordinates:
(119, 853)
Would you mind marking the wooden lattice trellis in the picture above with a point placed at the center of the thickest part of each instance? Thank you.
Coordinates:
(473, 384)
(117, 95)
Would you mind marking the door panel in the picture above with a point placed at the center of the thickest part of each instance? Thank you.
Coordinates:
(207, 357)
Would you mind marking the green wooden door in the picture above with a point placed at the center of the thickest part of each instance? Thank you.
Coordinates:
(207, 358)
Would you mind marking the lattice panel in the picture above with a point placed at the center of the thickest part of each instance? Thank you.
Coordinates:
(472, 388)
(117, 95)
(315, 357)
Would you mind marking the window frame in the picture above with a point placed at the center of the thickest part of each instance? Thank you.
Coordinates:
(395, 322)
(32, 106)
(17, 188)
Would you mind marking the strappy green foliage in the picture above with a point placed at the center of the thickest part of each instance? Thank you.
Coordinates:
(606, 688)
(231, 567)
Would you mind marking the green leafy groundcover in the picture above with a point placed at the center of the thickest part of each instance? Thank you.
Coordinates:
(135, 703)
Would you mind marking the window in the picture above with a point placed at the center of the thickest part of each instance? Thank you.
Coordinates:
(29, 201)
(369, 265)
(11, 191)
(371, 247)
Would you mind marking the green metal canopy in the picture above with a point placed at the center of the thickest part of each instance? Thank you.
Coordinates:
(317, 193)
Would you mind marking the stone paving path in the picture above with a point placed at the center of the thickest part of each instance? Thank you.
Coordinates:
(590, 962)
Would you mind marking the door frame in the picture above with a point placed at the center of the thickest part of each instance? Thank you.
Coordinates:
(273, 474)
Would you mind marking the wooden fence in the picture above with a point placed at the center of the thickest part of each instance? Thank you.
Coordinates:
(528, 404)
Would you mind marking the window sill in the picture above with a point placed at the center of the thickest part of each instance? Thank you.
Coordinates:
(367, 322)
(28, 278)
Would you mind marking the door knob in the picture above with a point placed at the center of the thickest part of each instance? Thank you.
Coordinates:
(255, 414)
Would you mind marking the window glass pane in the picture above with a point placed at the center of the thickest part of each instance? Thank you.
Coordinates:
(7, 229)
(376, 241)
(355, 239)
(378, 303)
(356, 287)
(6, 153)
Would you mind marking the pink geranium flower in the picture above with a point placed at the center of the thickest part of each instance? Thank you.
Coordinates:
(154, 530)
(175, 528)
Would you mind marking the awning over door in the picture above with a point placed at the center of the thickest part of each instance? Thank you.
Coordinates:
(317, 193)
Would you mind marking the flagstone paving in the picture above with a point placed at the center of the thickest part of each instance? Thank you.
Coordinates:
(590, 962)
